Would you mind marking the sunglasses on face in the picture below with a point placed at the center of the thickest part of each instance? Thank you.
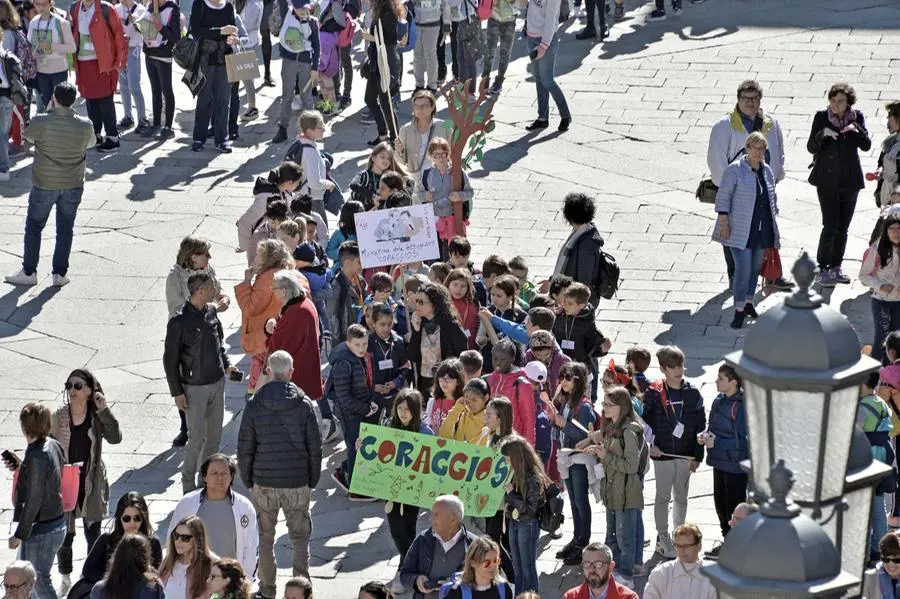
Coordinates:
(137, 519)
(490, 562)
(891, 560)
(77, 385)
(180, 537)
(569, 377)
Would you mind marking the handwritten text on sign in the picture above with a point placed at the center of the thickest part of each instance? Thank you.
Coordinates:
(414, 469)
(396, 236)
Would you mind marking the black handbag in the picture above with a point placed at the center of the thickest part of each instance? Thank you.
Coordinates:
(185, 53)
(706, 191)
(365, 69)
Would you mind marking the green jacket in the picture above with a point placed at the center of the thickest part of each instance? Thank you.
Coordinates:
(61, 138)
(621, 487)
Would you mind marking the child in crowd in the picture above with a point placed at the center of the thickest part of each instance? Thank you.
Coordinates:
(348, 291)
(466, 422)
(349, 386)
(498, 419)
(299, 39)
(493, 266)
(448, 389)
(437, 189)
(298, 587)
(501, 29)
(129, 12)
(576, 331)
(391, 368)
(873, 416)
(637, 360)
(438, 272)
(402, 273)
(391, 182)
(291, 232)
(558, 284)
(538, 318)
(314, 268)
(462, 293)
(316, 228)
(410, 289)
(364, 186)
(280, 182)
(507, 380)
(320, 257)
(276, 213)
(380, 287)
(519, 269)
(472, 363)
(673, 409)
(158, 52)
(312, 130)
(503, 294)
(458, 252)
(251, 12)
(346, 230)
(889, 390)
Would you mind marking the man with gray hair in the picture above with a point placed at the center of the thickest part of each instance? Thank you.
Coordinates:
(438, 552)
(279, 454)
(195, 362)
(597, 565)
(18, 580)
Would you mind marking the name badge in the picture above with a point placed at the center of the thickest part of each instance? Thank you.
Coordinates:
(467, 333)
(567, 344)
(388, 365)
(678, 431)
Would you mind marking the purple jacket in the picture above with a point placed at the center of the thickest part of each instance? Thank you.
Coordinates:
(557, 360)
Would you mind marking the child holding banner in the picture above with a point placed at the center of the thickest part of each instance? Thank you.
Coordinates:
(448, 389)
(466, 421)
(498, 417)
(391, 368)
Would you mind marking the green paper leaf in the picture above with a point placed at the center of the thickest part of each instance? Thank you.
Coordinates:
(473, 141)
(479, 155)
(455, 136)
(490, 126)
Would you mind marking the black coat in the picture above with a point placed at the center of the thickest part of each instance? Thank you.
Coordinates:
(279, 443)
(194, 353)
(453, 340)
(97, 561)
(529, 506)
(38, 492)
(583, 263)
(836, 161)
(663, 417)
(349, 386)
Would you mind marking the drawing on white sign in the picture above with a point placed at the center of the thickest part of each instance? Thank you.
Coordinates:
(397, 236)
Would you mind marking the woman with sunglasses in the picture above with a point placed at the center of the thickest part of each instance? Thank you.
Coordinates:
(570, 405)
(888, 569)
(81, 425)
(227, 581)
(188, 562)
(131, 573)
(436, 334)
(131, 518)
(481, 574)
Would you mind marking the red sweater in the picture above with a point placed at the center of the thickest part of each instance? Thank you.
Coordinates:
(297, 333)
(521, 395)
(468, 318)
(613, 591)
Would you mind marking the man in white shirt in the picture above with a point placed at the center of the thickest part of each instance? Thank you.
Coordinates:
(682, 577)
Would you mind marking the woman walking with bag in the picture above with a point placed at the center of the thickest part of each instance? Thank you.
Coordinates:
(414, 136)
(388, 18)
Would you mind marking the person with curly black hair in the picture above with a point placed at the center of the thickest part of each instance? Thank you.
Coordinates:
(436, 334)
(579, 257)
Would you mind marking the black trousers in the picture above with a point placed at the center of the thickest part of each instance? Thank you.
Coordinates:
(266, 36)
(378, 102)
(161, 92)
(837, 211)
(441, 52)
(494, 528)
(64, 555)
(234, 108)
(345, 73)
(403, 527)
(102, 113)
(598, 6)
(729, 489)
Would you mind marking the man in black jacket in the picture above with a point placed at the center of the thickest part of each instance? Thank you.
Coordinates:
(280, 459)
(195, 362)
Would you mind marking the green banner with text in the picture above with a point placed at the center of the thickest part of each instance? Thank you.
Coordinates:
(414, 469)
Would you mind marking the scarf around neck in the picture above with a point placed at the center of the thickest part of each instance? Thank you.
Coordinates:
(840, 123)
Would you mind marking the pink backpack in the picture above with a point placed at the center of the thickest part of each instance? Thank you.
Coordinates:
(485, 8)
(345, 38)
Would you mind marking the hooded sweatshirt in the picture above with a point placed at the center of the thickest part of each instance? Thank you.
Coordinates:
(514, 386)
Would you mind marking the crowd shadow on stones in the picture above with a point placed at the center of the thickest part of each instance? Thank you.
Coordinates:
(700, 335)
(21, 316)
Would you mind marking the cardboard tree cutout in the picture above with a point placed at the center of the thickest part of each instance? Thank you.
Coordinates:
(467, 130)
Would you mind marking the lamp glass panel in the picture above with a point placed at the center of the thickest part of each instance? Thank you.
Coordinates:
(758, 433)
(855, 543)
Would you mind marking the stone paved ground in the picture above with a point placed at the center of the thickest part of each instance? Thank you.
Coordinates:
(643, 104)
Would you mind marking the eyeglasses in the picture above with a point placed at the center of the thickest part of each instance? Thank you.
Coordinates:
(15, 587)
(885, 560)
(490, 562)
(182, 538)
(126, 519)
(77, 385)
(439, 155)
(421, 302)
(688, 546)
(595, 565)
(749, 98)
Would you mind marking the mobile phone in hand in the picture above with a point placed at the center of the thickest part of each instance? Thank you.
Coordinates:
(236, 375)
(533, 55)
(10, 458)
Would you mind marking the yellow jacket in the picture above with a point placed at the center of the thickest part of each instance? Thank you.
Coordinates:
(463, 425)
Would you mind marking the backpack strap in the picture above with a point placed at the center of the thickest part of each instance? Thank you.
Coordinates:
(425, 175)
(873, 411)
(466, 591)
(502, 589)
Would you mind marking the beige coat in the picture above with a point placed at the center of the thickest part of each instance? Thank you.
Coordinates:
(410, 152)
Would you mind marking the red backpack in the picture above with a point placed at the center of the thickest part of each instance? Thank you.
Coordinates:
(485, 8)
(346, 36)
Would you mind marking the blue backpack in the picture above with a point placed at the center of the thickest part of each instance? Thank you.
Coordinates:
(412, 31)
(466, 589)
(543, 430)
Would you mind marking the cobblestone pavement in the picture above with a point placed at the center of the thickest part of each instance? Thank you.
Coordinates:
(643, 103)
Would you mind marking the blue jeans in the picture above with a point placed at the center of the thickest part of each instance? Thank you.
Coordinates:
(543, 71)
(746, 274)
(6, 117)
(40, 201)
(577, 486)
(886, 318)
(130, 84)
(40, 549)
(212, 104)
(523, 541)
(879, 525)
(620, 538)
(639, 535)
(46, 83)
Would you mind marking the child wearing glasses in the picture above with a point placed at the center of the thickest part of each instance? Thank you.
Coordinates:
(437, 189)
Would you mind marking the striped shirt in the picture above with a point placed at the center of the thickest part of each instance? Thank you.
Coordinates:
(61, 139)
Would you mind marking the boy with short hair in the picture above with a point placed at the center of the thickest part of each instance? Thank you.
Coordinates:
(312, 130)
(576, 331)
(391, 369)
(380, 287)
(503, 304)
(638, 360)
(458, 251)
(299, 39)
(558, 284)
(493, 266)
(402, 273)
(539, 318)
(472, 364)
(519, 269)
(348, 290)
(410, 289)
(673, 409)
(349, 387)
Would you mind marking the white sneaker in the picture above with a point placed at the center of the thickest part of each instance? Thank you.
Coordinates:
(65, 586)
(60, 280)
(396, 586)
(20, 278)
(297, 104)
(4, 176)
(664, 546)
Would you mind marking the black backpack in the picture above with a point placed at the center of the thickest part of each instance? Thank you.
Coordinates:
(608, 273)
(552, 515)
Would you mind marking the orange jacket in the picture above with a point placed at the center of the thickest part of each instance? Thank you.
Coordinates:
(258, 304)
(107, 35)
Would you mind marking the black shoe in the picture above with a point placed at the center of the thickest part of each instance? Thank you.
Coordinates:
(604, 32)
(108, 146)
(281, 136)
(781, 284)
(180, 440)
(676, 7)
(574, 557)
(150, 132)
(126, 123)
(268, 81)
(166, 133)
(143, 125)
(738, 320)
(657, 15)
(338, 477)
(620, 12)
(750, 311)
(197, 146)
(344, 103)
(713, 554)
(233, 136)
(224, 148)
(564, 124)
(567, 548)
(537, 125)
(586, 34)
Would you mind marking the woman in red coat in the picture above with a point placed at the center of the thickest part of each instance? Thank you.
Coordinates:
(296, 331)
